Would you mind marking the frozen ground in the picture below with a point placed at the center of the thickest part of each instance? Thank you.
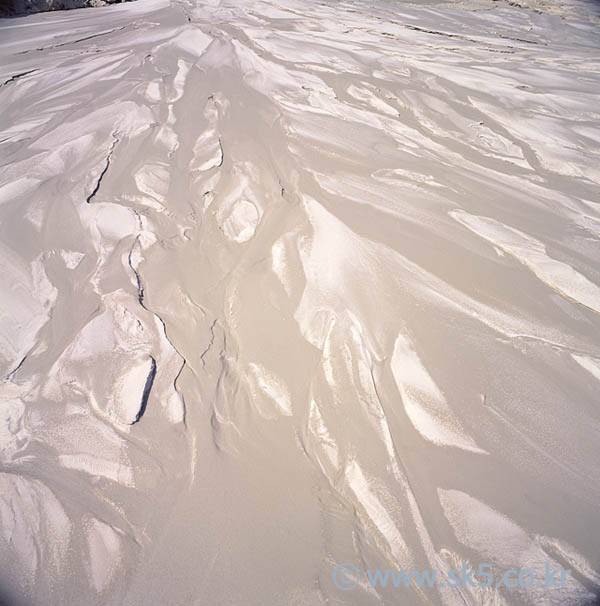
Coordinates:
(286, 285)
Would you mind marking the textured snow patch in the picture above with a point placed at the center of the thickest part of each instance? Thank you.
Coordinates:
(153, 180)
(130, 393)
(104, 544)
(501, 541)
(241, 223)
(26, 299)
(192, 41)
(377, 513)
(321, 436)
(425, 404)
(34, 528)
(95, 466)
(532, 253)
(268, 384)
(13, 435)
(153, 91)
(71, 258)
(590, 364)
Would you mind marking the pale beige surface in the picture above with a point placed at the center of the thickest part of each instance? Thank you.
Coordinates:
(285, 285)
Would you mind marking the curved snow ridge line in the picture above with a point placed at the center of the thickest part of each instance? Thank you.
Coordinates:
(349, 254)
(592, 365)
(117, 471)
(172, 359)
(562, 551)
(369, 496)
(35, 531)
(240, 210)
(208, 148)
(320, 441)
(424, 403)
(14, 435)
(189, 39)
(104, 170)
(498, 539)
(346, 334)
(447, 560)
(559, 276)
(129, 342)
(264, 383)
(369, 501)
(26, 302)
(104, 544)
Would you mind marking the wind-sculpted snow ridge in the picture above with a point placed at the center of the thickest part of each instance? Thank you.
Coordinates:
(286, 285)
